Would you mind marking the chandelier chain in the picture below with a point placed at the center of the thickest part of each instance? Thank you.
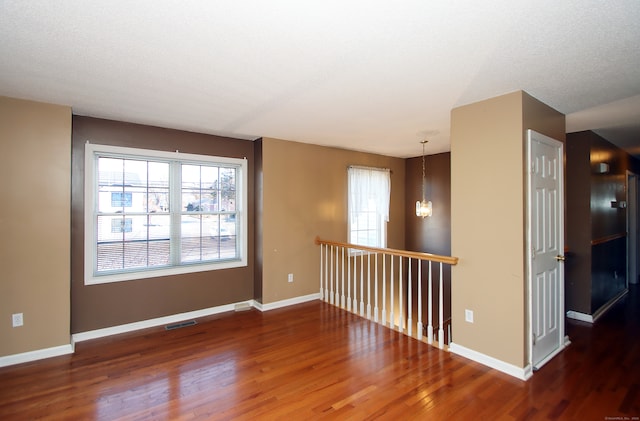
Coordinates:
(423, 172)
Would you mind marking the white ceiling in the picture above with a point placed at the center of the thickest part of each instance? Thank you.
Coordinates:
(376, 76)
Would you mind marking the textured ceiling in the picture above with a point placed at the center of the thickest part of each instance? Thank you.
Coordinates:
(376, 76)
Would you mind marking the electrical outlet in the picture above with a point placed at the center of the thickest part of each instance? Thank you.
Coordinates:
(290, 277)
(468, 316)
(17, 319)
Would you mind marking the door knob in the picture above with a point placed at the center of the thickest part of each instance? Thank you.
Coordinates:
(560, 258)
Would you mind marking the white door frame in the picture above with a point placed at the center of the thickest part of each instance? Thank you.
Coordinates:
(563, 340)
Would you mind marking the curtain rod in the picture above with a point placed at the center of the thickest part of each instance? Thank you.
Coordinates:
(362, 167)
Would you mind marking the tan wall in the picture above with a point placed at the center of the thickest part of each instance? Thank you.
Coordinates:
(488, 221)
(305, 195)
(35, 168)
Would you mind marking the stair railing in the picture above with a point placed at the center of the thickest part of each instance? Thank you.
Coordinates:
(379, 285)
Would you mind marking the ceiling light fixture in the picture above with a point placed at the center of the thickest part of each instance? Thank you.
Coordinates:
(424, 208)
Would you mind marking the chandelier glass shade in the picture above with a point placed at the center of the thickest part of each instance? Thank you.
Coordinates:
(424, 207)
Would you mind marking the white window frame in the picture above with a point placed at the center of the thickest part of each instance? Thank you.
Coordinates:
(91, 202)
(382, 215)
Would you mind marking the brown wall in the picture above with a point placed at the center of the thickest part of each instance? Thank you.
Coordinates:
(432, 234)
(488, 221)
(258, 223)
(35, 168)
(305, 195)
(596, 232)
(578, 223)
(105, 305)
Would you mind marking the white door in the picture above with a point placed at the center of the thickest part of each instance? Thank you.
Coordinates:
(546, 246)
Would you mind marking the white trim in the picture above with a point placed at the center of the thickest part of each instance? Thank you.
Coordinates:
(608, 305)
(548, 358)
(39, 354)
(175, 318)
(522, 373)
(287, 302)
(144, 324)
(575, 315)
(159, 321)
(591, 318)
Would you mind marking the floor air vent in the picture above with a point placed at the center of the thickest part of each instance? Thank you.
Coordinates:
(179, 325)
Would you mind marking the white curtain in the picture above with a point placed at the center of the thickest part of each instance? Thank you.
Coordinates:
(369, 187)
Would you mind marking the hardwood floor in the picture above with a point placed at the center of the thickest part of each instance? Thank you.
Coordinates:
(314, 361)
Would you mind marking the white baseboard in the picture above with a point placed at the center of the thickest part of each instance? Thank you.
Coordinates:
(608, 305)
(591, 318)
(510, 369)
(286, 303)
(159, 321)
(175, 318)
(143, 324)
(575, 315)
(39, 354)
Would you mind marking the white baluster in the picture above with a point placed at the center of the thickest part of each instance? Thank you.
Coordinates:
(342, 296)
(355, 283)
(419, 325)
(392, 319)
(321, 273)
(326, 273)
(337, 299)
(375, 292)
(369, 286)
(331, 276)
(348, 282)
(441, 317)
(362, 284)
(400, 297)
(384, 289)
(430, 309)
(409, 302)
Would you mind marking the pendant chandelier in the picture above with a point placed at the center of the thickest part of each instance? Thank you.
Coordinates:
(424, 208)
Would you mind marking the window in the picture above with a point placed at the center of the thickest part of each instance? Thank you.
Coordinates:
(151, 213)
(368, 204)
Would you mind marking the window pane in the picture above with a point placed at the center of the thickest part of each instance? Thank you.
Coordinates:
(110, 171)
(159, 253)
(158, 187)
(191, 238)
(158, 200)
(159, 174)
(227, 189)
(135, 254)
(208, 177)
(196, 201)
(110, 256)
(190, 176)
(208, 237)
(135, 173)
(159, 227)
(110, 228)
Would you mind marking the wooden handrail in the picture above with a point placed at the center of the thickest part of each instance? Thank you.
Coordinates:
(404, 253)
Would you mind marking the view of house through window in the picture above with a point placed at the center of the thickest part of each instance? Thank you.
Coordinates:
(368, 205)
(153, 211)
